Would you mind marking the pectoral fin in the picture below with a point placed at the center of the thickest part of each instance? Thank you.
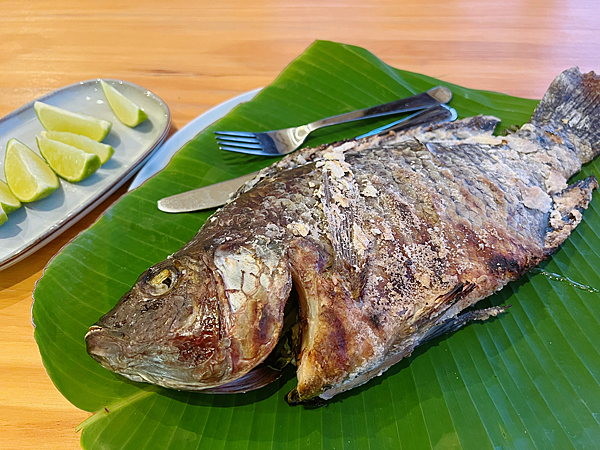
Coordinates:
(458, 321)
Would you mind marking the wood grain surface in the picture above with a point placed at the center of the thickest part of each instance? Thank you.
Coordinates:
(196, 54)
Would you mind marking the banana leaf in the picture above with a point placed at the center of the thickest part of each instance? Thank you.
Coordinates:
(528, 379)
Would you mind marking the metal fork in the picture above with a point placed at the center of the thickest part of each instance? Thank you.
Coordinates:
(282, 142)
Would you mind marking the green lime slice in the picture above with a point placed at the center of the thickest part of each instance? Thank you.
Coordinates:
(3, 216)
(8, 201)
(104, 151)
(58, 119)
(70, 163)
(27, 175)
(126, 111)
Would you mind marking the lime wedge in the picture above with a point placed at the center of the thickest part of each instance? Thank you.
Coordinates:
(3, 216)
(104, 151)
(58, 119)
(70, 163)
(27, 175)
(126, 111)
(8, 201)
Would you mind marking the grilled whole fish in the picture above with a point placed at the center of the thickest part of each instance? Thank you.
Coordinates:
(384, 240)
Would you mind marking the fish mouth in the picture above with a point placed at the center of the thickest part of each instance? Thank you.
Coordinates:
(105, 346)
(137, 362)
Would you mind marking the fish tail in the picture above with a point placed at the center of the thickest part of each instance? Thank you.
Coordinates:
(570, 112)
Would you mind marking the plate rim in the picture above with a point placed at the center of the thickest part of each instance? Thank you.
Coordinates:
(189, 131)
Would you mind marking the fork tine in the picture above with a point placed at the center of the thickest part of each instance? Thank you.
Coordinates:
(235, 133)
(246, 150)
(239, 144)
(249, 140)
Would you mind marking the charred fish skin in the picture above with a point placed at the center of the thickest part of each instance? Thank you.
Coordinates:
(386, 240)
(459, 220)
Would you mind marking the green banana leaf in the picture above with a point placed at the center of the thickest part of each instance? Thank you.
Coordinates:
(528, 379)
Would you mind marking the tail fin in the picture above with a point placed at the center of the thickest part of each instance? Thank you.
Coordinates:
(570, 110)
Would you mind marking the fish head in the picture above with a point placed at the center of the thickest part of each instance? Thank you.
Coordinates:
(194, 323)
(167, 329)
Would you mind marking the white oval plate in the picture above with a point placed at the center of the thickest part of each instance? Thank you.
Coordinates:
(162, 157)
(35, 224)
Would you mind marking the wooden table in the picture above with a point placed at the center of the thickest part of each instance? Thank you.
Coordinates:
(196, 54)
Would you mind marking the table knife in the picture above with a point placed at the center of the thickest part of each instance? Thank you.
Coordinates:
(205, 197)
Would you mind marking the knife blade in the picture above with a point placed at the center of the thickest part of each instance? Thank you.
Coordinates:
(205, 197)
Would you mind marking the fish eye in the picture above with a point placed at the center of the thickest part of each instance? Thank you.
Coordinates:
(159, 280)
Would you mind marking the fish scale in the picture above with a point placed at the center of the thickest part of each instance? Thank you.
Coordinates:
(384, 241)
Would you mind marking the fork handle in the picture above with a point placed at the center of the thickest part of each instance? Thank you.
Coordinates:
(434, 96)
